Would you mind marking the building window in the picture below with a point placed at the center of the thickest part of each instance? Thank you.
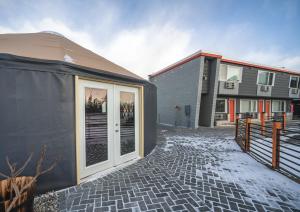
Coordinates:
(265, 78)
(221, 106)
(248, 106)
(294, 82)
(230, 73)
(278, 106)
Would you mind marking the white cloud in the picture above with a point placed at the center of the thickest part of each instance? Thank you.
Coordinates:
(147, 49)
(292, 62)
(275, 58)
(151, 47)
(49, 24)
(242, 42)
(142, 50)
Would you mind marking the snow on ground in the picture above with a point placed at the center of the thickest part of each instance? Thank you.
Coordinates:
(289, 150)
(233, 165)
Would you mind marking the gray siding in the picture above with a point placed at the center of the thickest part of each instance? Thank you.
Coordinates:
(237, 105)
(205, 86)
(248, 86)
(208, 101)
(178, 87)
(281, 85)
(227, 91)
(199, 91)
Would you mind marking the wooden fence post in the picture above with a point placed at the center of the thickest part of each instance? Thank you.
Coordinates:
(284, 121)
(275, 144)
(237, 126)
(262, 123)
(247, 140)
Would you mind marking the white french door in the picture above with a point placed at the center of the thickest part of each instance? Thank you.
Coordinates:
(109, 125)
(126, 113)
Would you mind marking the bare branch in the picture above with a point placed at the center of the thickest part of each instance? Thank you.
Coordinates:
(16, 189)
(14, 173)
(40, 161)
(49, 169)
(12, 167)
(26, 186)
(39, 170)
(24, 165)
(19, 192)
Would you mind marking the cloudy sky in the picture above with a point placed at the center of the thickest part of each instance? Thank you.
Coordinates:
(145, 36)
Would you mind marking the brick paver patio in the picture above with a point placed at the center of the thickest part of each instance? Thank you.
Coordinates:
(190, 170)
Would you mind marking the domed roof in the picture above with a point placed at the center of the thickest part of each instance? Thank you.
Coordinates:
(54, 46)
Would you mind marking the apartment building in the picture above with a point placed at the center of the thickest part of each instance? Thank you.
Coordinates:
(207, 89)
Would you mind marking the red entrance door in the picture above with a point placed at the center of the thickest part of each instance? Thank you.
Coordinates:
(231, 109)
(268, 111)
(261, 108)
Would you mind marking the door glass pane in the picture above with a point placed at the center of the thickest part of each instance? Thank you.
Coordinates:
(245, 106)
(127, 128)
(254, 106)
(220, 106)
(275, 106)
(282, 106)
(96, 143)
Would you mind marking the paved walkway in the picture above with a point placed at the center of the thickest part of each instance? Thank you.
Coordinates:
(190, 170)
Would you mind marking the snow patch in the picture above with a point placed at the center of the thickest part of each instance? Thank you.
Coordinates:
(168, 146)
(232, 165)
(68, 58)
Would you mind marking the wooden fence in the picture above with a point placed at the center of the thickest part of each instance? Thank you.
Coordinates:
(272, 143)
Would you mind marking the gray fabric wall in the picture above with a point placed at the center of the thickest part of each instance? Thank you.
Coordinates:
(37, 107)
(150, 111)
(178, 87)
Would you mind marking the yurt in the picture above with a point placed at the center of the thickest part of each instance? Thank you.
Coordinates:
(90, 113)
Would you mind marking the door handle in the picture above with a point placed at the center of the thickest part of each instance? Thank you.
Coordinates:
(117, 130)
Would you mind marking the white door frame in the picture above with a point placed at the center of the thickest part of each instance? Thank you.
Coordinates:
(118, 157)
(113, 117)
(86, 171)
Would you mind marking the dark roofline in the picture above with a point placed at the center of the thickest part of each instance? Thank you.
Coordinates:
(75, 69)
(231, 61)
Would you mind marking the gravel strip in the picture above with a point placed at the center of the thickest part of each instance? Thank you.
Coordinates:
(46, 202)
